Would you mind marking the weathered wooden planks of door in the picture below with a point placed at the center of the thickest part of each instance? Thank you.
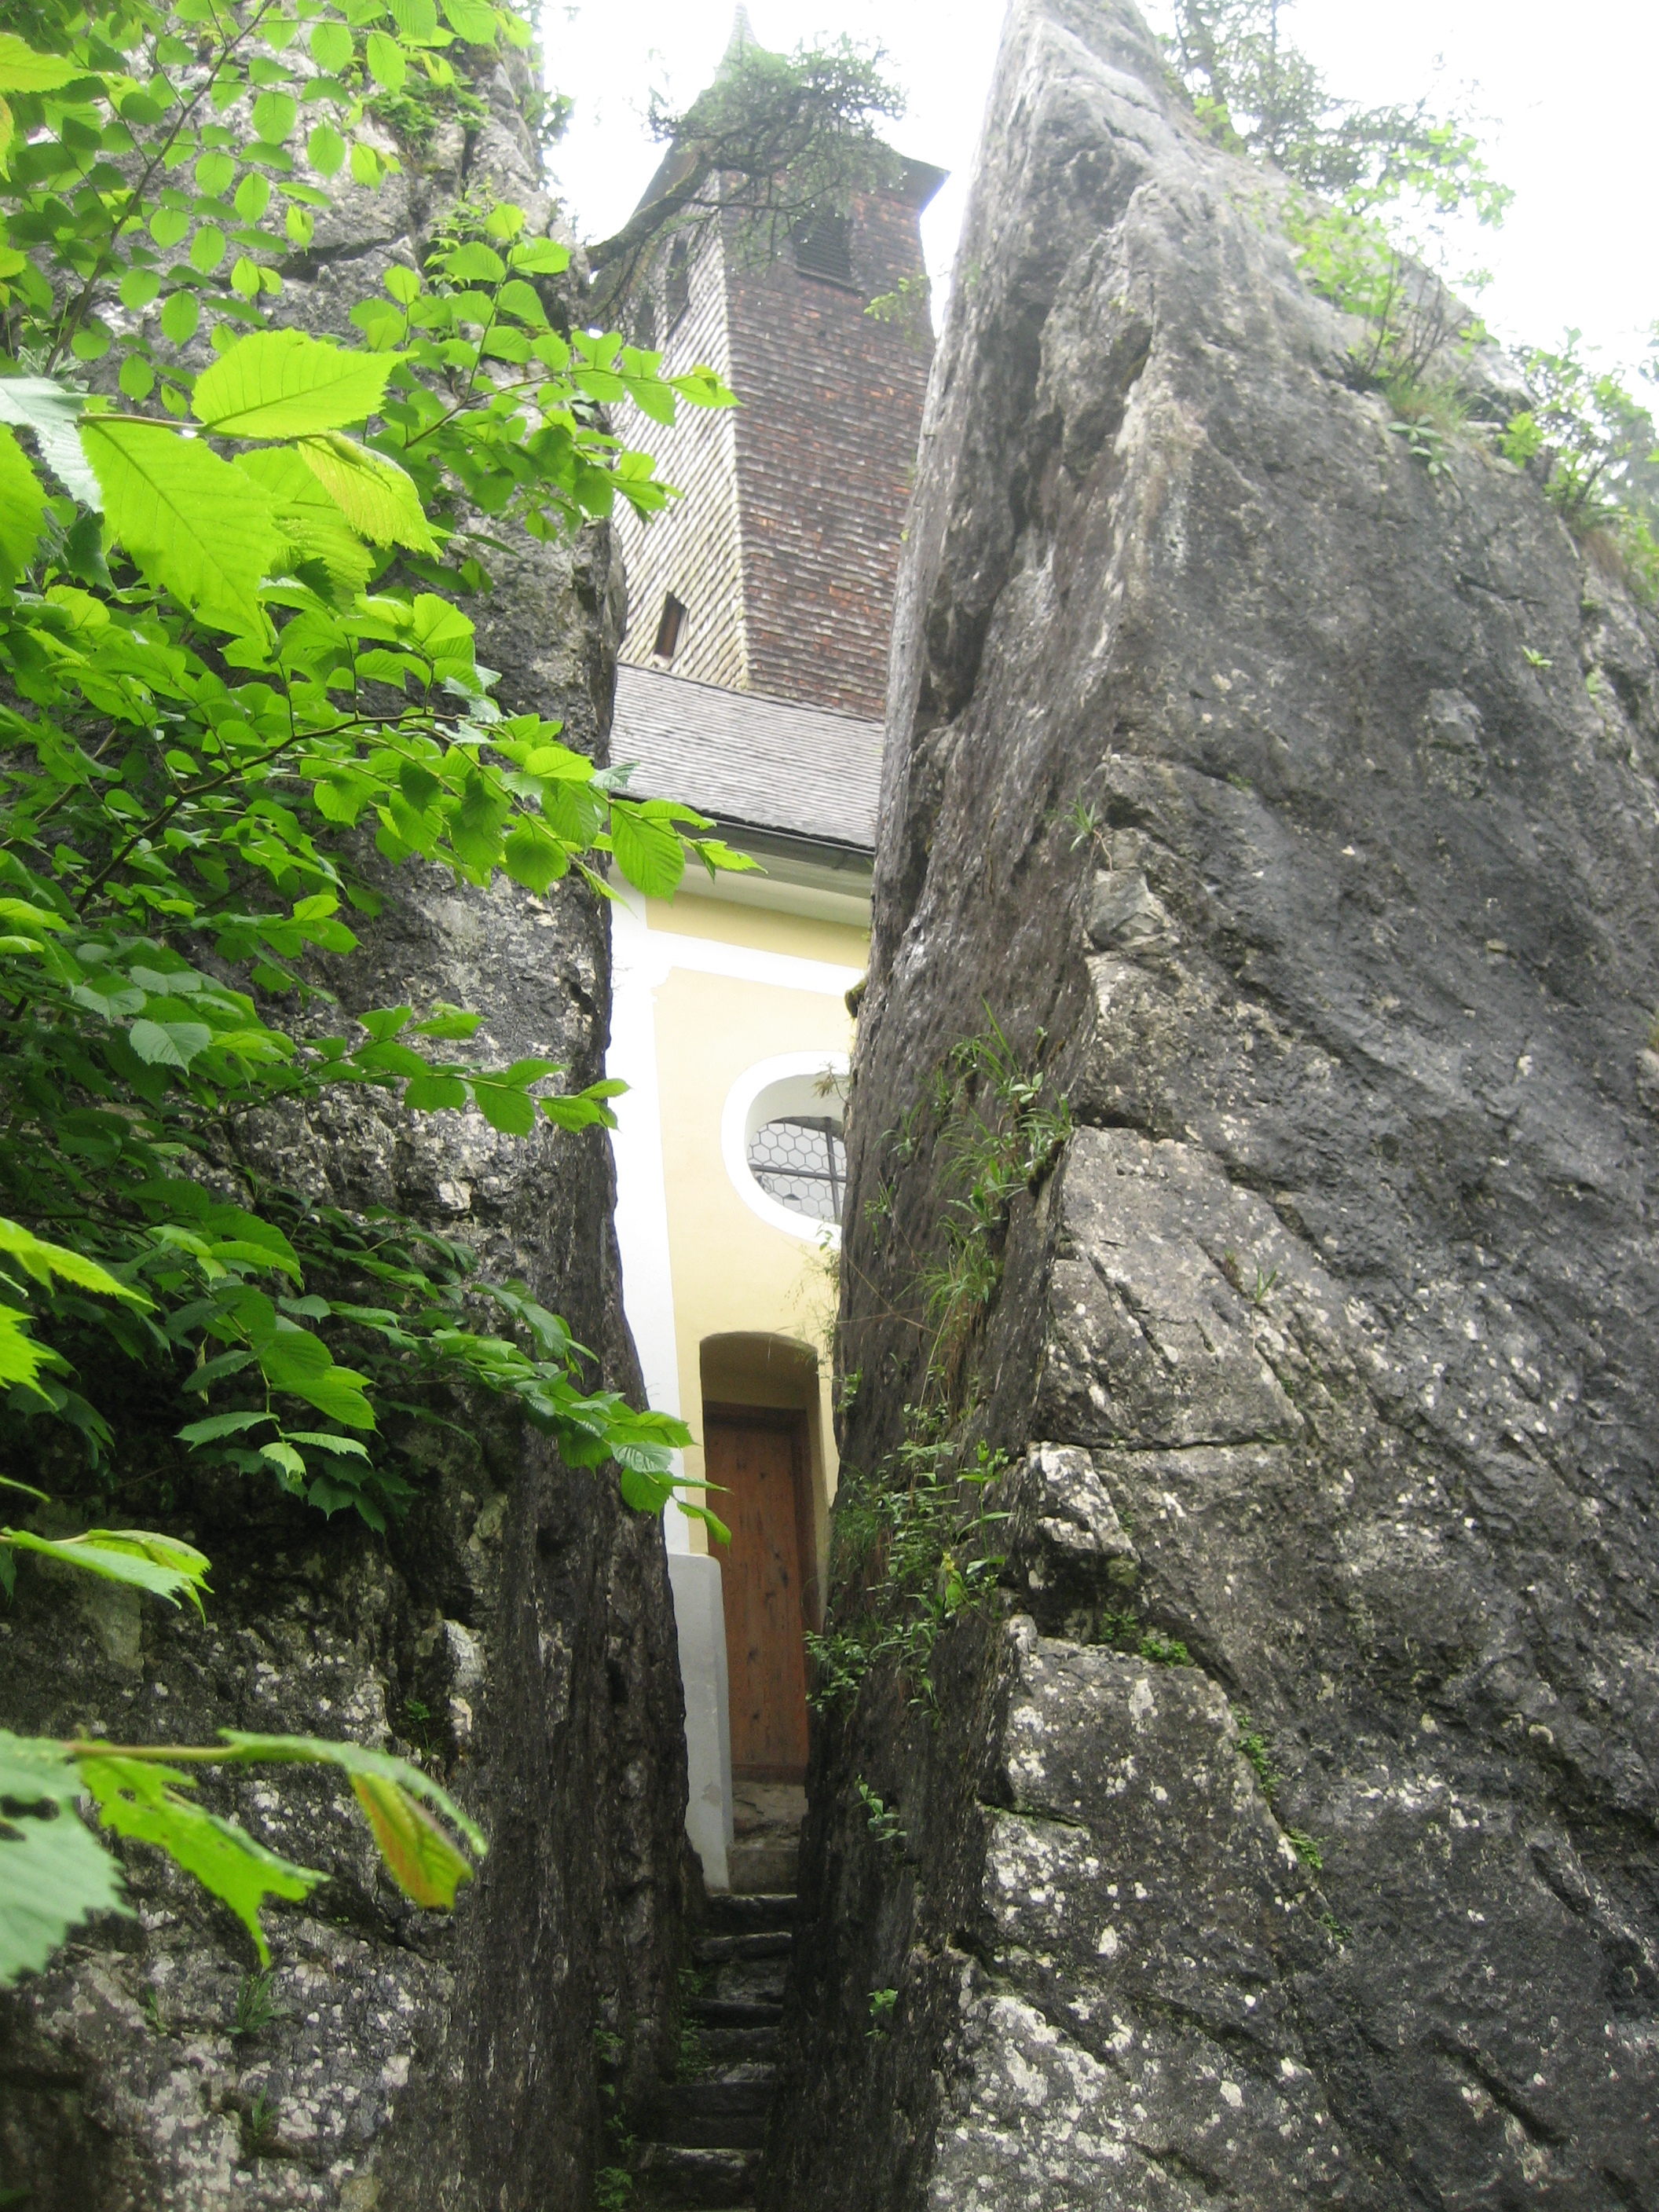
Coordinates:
(758, 1457)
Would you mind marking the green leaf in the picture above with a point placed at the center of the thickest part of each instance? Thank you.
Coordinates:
(181, 316)
(21, 70)
(425, 1864)
(375, 496)
(330, 49)
(222, 1425)
(354, 1759)
(434, 1093)
(540, 256)
(646, 1492)
(472, 19)
(169, 1044)
(296, 1361)
(23, 509)
(193, 524)
(140, 1799)
(274, 114)
(325, 149)
(449, 1021)
(213, 170)
(44, 1261)
(474, 264)
(309, 520)
(207, 249)
(386, 61)
(53, 1872)
(346, 1447)
(506, 1108)
(35, 403)
(534, 857)
(648, 851)
(417, 19)
(161, 1565)
(475, 827)
(282, 383)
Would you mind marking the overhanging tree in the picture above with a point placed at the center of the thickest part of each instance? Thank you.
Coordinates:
(777, 140)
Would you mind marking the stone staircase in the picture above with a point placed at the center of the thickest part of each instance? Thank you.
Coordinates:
(698, 2140)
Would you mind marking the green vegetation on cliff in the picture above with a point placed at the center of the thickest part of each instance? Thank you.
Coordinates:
(230, 557)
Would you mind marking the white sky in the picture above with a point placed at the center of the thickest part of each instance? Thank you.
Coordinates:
(1568, 95)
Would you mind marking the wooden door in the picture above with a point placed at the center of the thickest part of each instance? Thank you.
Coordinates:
(759, 1458)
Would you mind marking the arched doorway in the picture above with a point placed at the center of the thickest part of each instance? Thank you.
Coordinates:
(762, 1453)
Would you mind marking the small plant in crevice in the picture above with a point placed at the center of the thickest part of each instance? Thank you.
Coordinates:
(613, 2186)
(1083, 819)
(1309, 1848)
(259, 2126)
(882, 2002)
(1333, 1927)
(914, 1534)
(1424, 442)
(913, 1549)
(1123, 1630)
(1260, 1289)
(256, 2008)
(1253, 1746)
(1000, 1131)
(883, 1820)
(691, 2059)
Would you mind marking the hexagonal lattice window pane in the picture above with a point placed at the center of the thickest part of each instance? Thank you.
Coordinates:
(802, 1163)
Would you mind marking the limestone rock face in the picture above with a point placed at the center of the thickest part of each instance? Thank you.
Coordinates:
(516, 1633)
(1296, 807)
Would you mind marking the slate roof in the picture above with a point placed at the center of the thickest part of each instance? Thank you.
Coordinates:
(750, 760)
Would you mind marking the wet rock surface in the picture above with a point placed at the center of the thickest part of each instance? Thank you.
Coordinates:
(515, 1633)
(1296, 808)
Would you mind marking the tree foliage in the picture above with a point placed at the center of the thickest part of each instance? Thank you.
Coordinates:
(774, 140)
(1258, 91)
(1373, 190)
(1602, 446)
(231, 656)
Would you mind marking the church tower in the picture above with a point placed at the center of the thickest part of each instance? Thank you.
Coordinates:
(776, 571)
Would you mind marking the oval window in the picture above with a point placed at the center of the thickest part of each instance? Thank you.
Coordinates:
(783, 1143)
(800, 1161)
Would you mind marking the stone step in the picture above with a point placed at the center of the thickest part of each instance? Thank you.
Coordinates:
(721, 2012)
(734, 1914)
(739, 2046)
(673, 2176)
(708, 2113)
(768, 1867)
(746, 1981)
(753, 1943)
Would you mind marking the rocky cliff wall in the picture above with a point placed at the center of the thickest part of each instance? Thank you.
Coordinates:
(516, 1631)
(1326, 1351)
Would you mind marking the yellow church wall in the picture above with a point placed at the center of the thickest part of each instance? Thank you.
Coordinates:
(733, 1273)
